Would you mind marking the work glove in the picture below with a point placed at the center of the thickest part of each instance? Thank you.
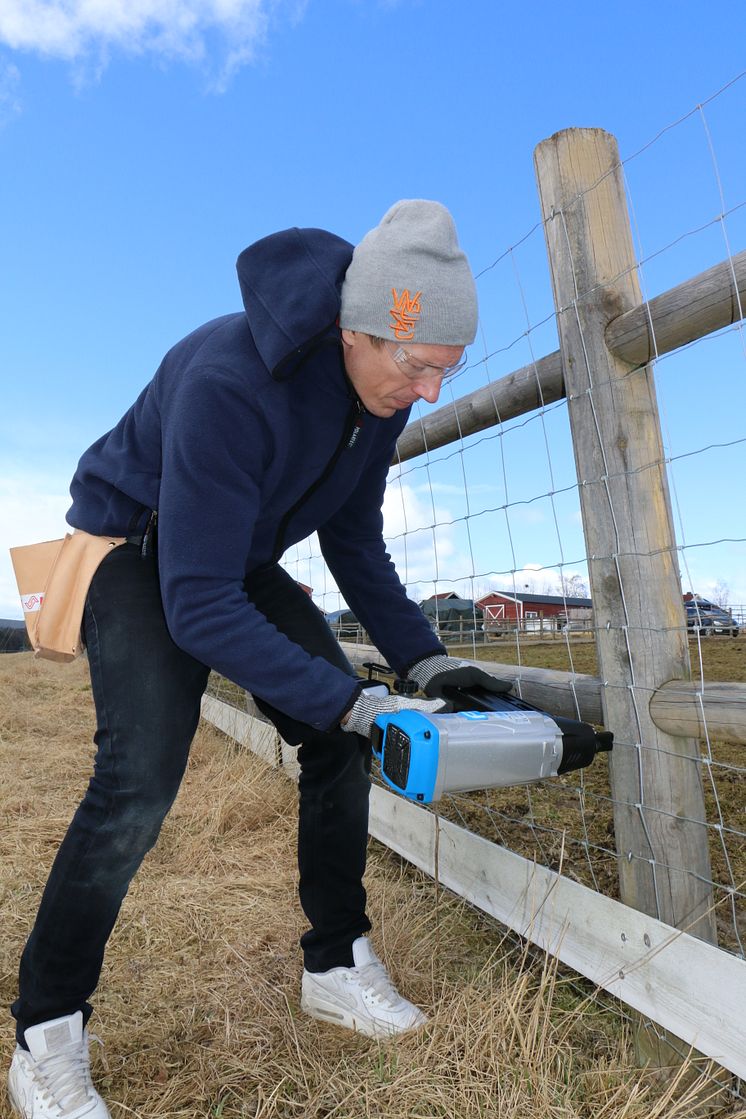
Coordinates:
(439, 671)
(366, 707)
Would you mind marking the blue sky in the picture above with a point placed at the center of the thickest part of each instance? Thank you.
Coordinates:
(144, 145)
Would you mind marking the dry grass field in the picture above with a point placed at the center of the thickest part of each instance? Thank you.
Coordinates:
(198, 1006)
(722, 658)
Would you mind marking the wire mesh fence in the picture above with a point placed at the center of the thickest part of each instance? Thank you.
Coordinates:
(496, 512)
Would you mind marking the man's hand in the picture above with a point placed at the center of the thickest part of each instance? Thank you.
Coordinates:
(439, 671)
(359, 719)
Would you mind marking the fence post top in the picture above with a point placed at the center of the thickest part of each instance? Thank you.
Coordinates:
(571, 134)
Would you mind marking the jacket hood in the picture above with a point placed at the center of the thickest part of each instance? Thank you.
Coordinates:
(290, 285)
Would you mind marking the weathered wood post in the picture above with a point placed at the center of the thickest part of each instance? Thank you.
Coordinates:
(664, 864)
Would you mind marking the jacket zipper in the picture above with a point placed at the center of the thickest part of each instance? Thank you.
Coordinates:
(349, 438)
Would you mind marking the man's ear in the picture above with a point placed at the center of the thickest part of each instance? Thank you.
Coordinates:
(349, 337)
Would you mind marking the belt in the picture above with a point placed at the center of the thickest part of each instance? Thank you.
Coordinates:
(146, 541)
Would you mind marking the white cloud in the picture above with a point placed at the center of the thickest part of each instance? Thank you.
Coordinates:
(418, 554)
(535, 578)
(10, 103)
(698, 579)
(190, 30)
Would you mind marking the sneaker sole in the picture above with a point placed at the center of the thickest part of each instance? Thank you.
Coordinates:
(338, 1016)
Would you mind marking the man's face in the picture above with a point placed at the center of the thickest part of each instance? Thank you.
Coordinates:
(385, 385)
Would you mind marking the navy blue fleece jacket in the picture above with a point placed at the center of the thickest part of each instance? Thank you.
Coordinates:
(248, 439)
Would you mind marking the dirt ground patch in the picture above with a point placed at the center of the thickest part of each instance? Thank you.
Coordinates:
(198, 1006)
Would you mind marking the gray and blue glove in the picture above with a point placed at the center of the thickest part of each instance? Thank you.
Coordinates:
(361, 716)
(439, 671)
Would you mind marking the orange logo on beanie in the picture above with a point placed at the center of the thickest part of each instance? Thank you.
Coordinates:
(404, 313)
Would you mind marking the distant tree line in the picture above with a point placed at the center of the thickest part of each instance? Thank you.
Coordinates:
(13, 637)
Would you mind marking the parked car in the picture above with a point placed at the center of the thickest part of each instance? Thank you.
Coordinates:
(709, 620)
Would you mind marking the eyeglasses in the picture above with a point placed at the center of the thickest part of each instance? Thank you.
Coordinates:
(413, 367)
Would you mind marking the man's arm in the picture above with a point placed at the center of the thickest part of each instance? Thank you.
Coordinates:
(215, 451)
(352, 545)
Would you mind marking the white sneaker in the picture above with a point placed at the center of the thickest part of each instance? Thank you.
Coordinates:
(52, 1079)
(362, 997)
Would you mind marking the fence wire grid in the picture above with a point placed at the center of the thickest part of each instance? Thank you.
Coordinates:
(499, 510)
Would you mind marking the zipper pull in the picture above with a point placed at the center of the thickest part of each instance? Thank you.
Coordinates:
(360, 408)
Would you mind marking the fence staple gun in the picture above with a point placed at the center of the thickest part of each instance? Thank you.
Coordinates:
(488, 741)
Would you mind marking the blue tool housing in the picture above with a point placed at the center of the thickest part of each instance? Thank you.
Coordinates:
(409, 750)
(424, 757)
(490, 741)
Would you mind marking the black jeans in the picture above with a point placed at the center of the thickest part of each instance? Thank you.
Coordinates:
(147, 694)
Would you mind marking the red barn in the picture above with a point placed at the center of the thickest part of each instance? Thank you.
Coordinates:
(529, 610)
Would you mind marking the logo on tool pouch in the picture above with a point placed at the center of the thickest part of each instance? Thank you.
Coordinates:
(473, 714)
(405, 311)
(31, 603)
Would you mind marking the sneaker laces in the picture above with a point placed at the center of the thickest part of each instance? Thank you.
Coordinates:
(375, 978)
(65, 1078)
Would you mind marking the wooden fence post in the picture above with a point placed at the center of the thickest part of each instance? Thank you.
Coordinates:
(659, 814)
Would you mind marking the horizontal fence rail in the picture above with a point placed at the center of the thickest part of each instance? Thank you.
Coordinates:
(519, 392)
(679, 707)
(712, 300)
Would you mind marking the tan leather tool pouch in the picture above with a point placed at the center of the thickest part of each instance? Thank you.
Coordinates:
(53, 580)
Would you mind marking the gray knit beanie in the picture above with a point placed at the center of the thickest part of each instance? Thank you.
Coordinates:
(410, 281)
